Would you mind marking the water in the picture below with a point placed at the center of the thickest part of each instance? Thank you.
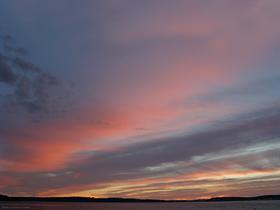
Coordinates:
(245, 205)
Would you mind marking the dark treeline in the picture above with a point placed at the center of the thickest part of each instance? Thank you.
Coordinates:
(92, 199)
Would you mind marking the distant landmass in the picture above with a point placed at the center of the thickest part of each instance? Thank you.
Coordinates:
(92, 199)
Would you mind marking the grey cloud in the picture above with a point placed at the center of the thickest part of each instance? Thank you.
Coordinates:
(8, 43)
(229, 136)
(6, 73)
(130, 162)
(252, 89)
(30, 86)
(25, 65)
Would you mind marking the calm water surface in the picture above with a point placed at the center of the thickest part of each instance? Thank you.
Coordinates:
(250, 205)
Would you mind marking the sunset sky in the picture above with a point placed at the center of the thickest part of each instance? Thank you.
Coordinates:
(164, 99)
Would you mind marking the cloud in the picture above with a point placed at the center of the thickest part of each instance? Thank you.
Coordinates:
(6, 73)
(25, 65)
(243, 149)
(161, 93)
(29, 84)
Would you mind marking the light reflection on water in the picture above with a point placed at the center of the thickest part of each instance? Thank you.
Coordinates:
(248, 205)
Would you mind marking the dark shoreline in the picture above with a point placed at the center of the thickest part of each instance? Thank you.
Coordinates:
(131, 200)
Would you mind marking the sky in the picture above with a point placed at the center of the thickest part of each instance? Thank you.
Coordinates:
(140, 98)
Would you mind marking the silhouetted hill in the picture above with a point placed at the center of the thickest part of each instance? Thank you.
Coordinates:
(262, 197)
(92, 199)
(74, 199)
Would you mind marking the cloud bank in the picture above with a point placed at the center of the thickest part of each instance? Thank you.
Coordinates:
(149, 99)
